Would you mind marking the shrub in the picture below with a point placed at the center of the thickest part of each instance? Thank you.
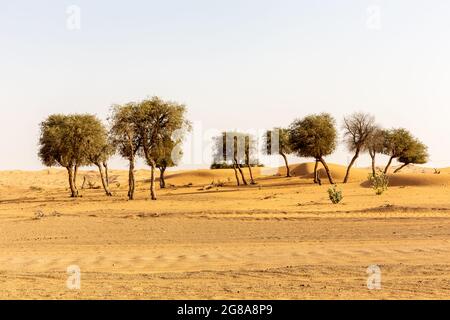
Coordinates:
(39, 215)
(380, 182)
(335, 195)
(224, 165)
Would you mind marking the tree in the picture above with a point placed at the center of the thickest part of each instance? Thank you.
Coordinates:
(396, 143)
(238, 149)
(417, 153)
(72, 141)
(234, 149)
(164, 160)
(357, 129)
(375, 144)
(277, 141)
(123, 136)
(97, 149)
(157, 120)
(314, 136)
(55, 147)
(223, 154)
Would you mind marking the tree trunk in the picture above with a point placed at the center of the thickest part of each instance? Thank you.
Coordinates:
(131, 180)
(252, 181)
(347, 175)
(388, 165)
(316, 173)
(327, 170)
(398, 169)
(75, 175)
(162, 181)
(102, 177)
(236, 174)
(247, 162)
(288, 170)
(105, 164)
(372, 155)
(240, 171)
(152, 180)
(74, 192)
(242, 174)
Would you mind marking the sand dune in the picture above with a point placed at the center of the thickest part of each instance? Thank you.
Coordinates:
(306, 170)
(409, 179)
(279, 239)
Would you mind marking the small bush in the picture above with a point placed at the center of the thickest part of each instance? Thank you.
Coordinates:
(224, 165)
(380, 182)
(39, 215)
(335, 195)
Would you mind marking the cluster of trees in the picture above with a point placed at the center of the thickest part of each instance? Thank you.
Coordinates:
(150, 129)
(240, 150)
(153, 130)
(316, 136)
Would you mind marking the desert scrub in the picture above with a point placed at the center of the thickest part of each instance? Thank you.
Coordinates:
(335, 195)
(380, 182)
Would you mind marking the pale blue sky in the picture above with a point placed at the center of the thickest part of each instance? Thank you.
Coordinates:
(239, 64)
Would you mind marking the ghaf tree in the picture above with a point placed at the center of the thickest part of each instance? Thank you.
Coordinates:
(314, 136)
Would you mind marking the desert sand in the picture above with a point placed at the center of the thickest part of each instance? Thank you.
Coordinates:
(279, 239)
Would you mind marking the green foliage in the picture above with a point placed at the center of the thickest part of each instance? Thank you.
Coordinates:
(335, 195)
(314, 136)
(379, 181)
(123, 135)
(416, 153)
(55, 143)
(397, 142)
(73, 140)
(157, 121)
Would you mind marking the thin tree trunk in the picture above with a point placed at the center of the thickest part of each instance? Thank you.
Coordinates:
(398, 169)
(242, 174)
(388, 165)
(236, 174)
(74, 192)
(247, 162)
(252, 181)
(347, 175)
(152, 180)
(316, 173)
(288, 170)
(240, 171)
(75, 175)
(102, 177)
(162, 181)
(327, 170)
(131, 181)
(105, 164)
(372, 155)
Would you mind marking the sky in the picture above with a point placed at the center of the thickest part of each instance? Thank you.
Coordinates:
(236, 64)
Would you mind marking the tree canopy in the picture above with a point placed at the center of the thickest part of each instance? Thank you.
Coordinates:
(314, 136)
(357, 129)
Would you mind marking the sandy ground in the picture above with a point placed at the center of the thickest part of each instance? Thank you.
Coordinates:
(279, 239)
